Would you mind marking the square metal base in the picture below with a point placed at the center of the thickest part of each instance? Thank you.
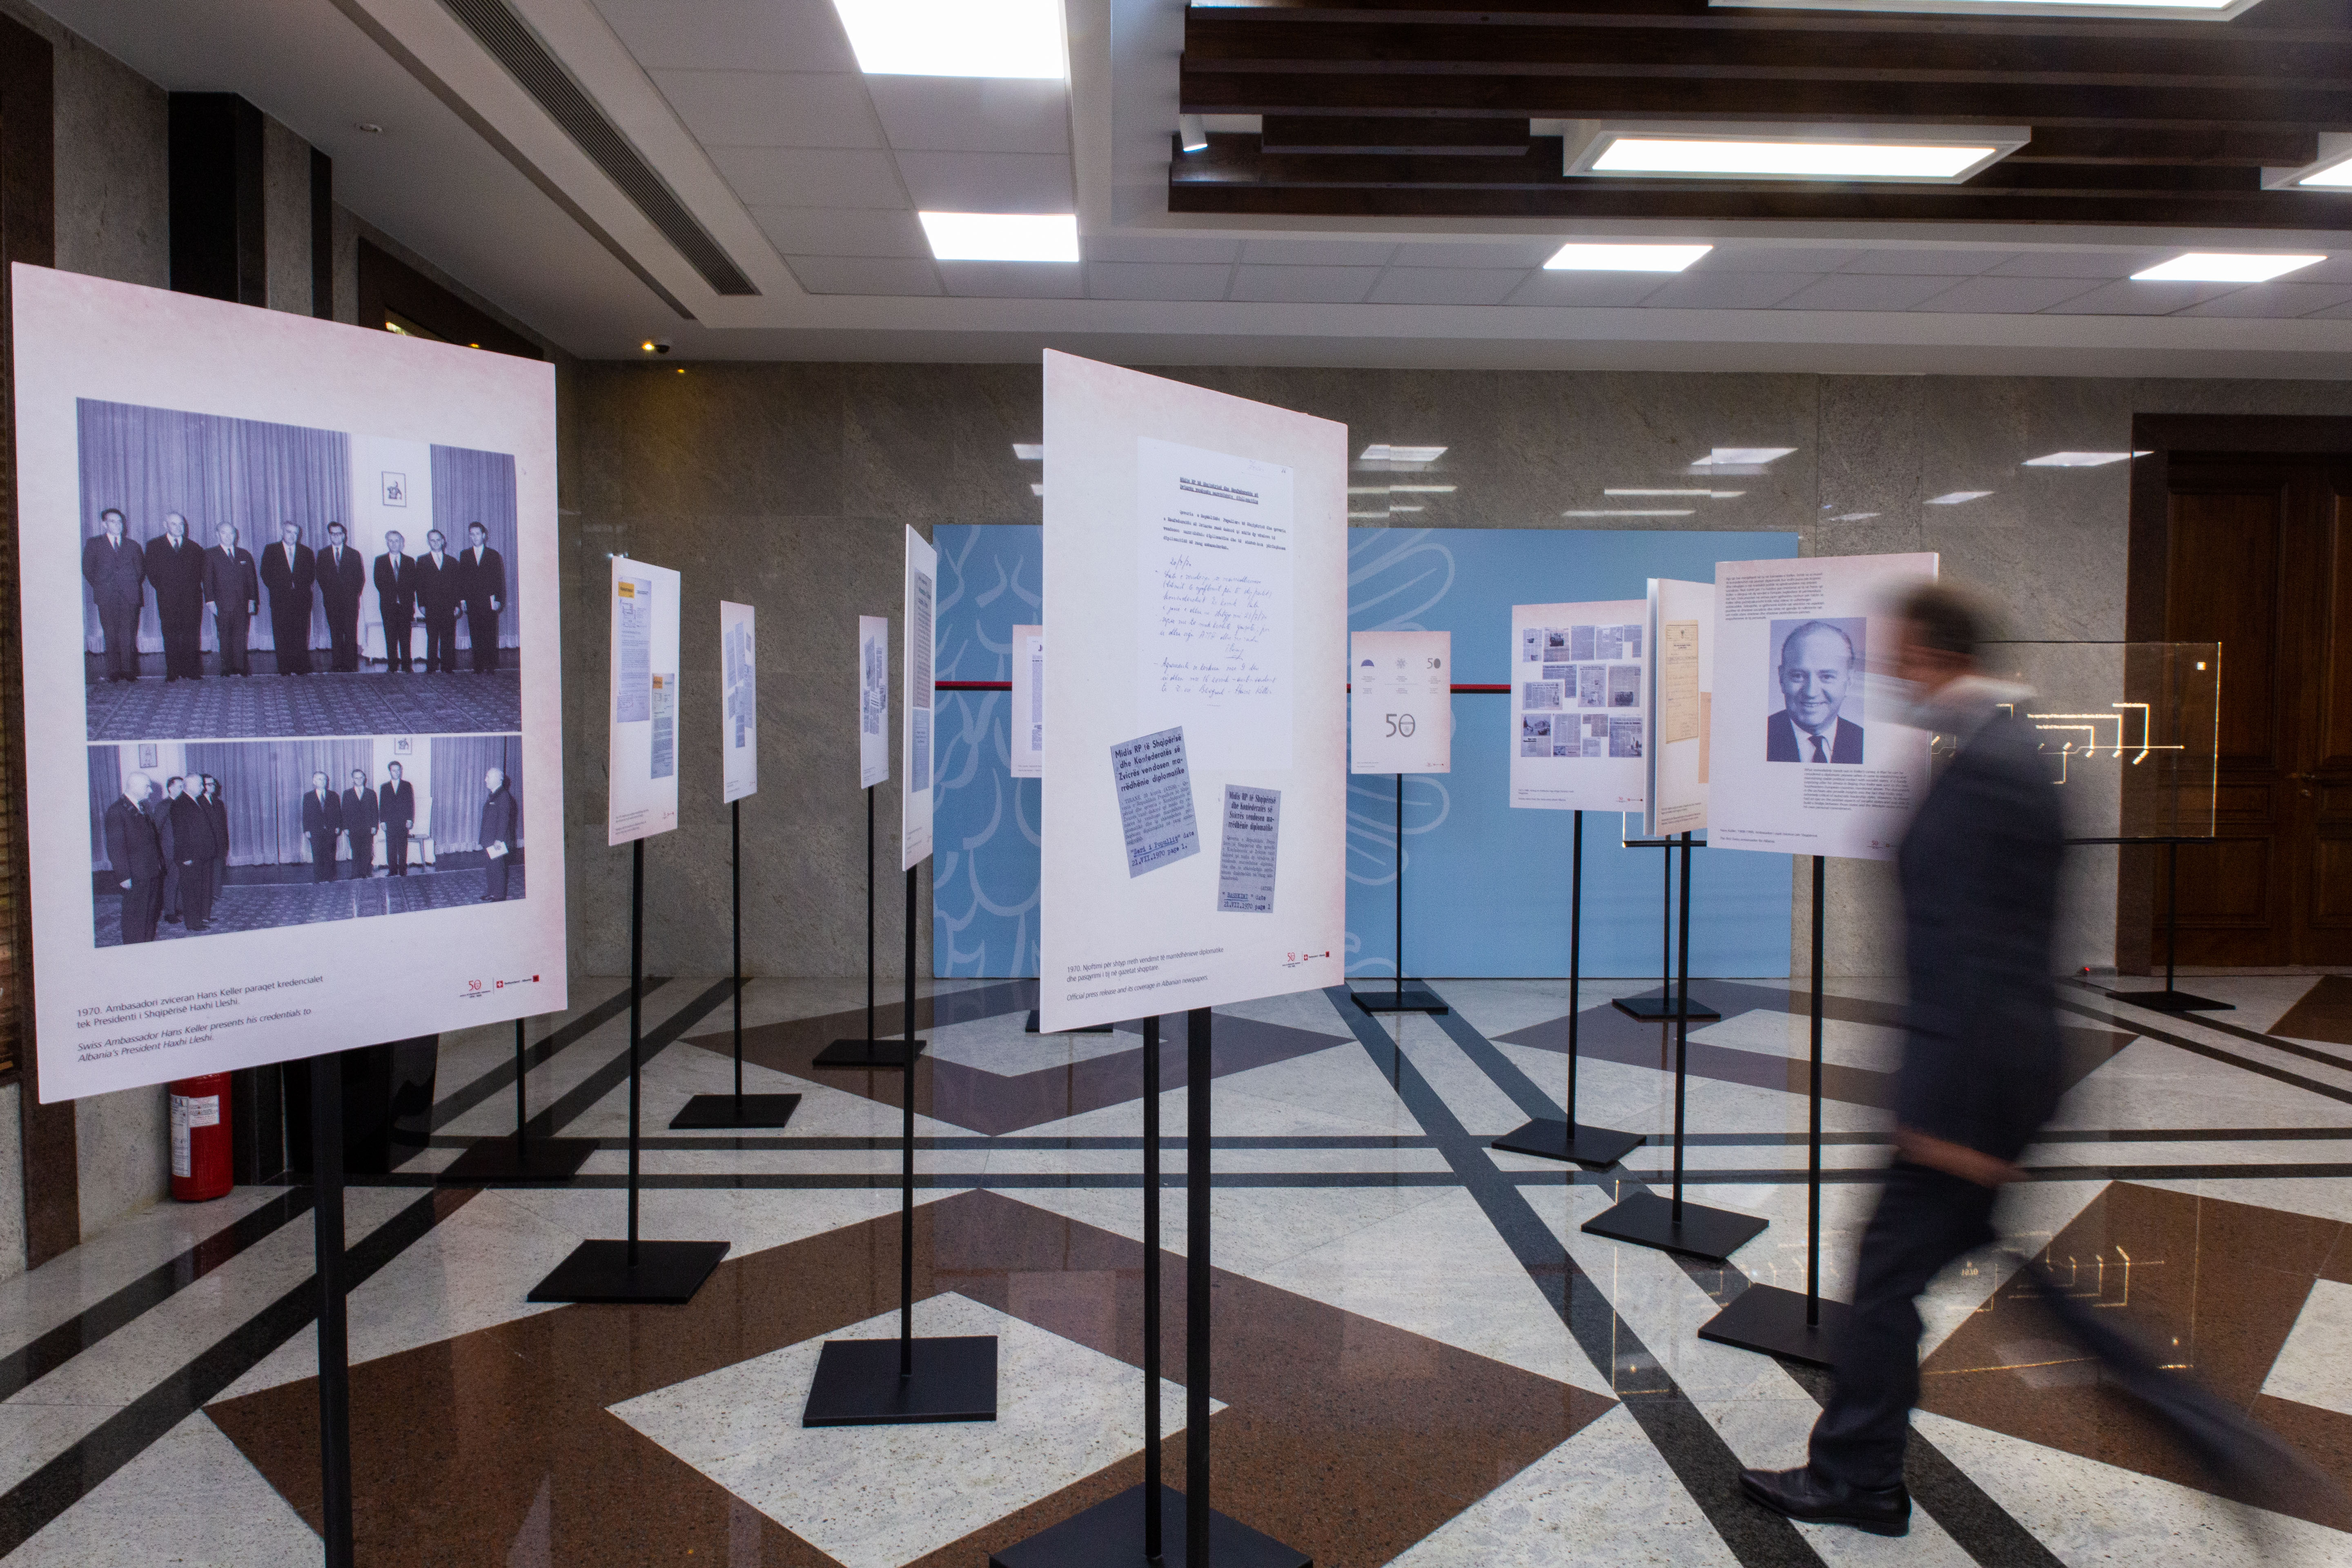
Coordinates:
(889, 1054)
(1655, 1009)
(857, 1382)
(706, 1111)
(490, 1159)
(1031, 1028)
(1411, 999)
(1110, 1535)
(1585, 1144)
(667, 1273)
(1768, 1319)
(2172, 1001)
(1646, 1219)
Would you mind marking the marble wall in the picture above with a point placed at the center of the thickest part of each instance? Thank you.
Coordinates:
(784, 486)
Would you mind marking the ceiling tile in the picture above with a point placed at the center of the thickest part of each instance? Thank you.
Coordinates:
(972, 114)
(1304, 285)
(2276, 299)
(1016, 279)
(1447, 285)
(1589, 290)
(2007, 295)
(1318, 252)
(864, 275)
(1772, 259)
(1933, 263)
(731, 34)
(2335, 270)
(2078, 263)
(1157, 280)
(1865, 291)
(843, 231)
(1726, 290)
(988, 182)
(767, 109)
(1154, 248)
(797, 177)
(2128, 298)
(1519, 253)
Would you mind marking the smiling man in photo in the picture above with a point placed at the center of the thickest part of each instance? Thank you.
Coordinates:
(1817, 669)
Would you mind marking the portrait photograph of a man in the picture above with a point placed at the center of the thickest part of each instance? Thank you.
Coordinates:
(244, 579)
(189, 838)
(1817, 676)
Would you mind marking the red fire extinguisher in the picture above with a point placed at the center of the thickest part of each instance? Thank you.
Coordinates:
(200, 1162)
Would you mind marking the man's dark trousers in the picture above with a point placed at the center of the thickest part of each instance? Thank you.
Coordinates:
(1925, 1219)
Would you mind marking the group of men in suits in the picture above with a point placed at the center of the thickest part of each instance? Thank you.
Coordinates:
(359, 811)
(187, 577)
(169, 852)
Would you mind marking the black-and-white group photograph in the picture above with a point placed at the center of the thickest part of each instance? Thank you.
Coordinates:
(1817, 672)
(246, 578)
(189, 838)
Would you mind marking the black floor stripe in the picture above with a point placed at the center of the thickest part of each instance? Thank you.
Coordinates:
(2213, 1053)
(501, 1077)
(1691, 1448)
(1976, 1524)
(32, 1503)
(576, 1101)
(47, 1352)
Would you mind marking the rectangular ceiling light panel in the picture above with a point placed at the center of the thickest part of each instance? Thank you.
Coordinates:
(2224, 266)
(1903, 154)
(1002, 237)
(2168, 10)
(957, 37)
(2079, 460)
(1575, 257)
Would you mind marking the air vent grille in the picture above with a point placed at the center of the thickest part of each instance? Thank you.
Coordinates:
(517, 47)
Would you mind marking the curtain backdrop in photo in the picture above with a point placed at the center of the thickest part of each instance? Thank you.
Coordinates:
(262, 784)
(458, 764)
(212, 471)
(470, 487)
(105, 783)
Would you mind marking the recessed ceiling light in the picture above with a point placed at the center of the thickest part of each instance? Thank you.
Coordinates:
(1686, 511)
(1579, 257)
(1029, 451)
(1954, 498)
(1002, 237)
(2078, 459)
(2337, 175)
(1361, 516)
(1422, 490)
(956, 37)
(1191, 132)
(1741, 457)
(1700, 150)
(2224, 266)
(371, 127)
(1854, 517)
(1381, 452)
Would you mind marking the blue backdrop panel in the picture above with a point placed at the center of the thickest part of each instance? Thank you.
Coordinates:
(1485, 886)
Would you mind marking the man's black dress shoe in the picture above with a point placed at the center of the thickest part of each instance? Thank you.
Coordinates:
(1802, 1494)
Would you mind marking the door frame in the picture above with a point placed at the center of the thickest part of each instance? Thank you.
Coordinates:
(2147, 586)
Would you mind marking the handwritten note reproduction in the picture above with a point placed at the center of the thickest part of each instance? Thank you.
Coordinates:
(1678, 680)
(1213, 616)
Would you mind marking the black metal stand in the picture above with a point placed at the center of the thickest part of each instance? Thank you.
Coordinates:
(905, 1381)
(521, 1158)
(721, 1111)
(2172, 999)
(1643, 1217)
(1566, 1140)
(1659, 1008)
(1146, 1524)
(631, 1271)
(1030, 1028)
(1400, 997)
(334, 1338)
(1802, 1328)
(869, 1052)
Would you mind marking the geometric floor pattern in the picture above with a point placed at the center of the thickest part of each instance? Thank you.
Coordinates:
(1420, 1357)
(376, 702)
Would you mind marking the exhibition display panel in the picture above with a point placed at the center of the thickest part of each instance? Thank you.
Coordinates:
(1400, 720)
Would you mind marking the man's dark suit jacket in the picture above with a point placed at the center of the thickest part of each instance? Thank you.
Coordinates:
(1786, 745)
(322, 815)
(438, 591)
(483, 581)
(132, 846)
(340, 585)
(190, 828)
(499, 818)
(216, 813)
(178, 576)
(115, 572)
(396, 805)
(295, 584)
(1979, 872)
(359, 815)
(234, 585)
(396, 592)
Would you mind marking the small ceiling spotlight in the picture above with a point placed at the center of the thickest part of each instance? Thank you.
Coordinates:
(1192, 133)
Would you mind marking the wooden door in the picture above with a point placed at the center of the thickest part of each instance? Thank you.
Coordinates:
(2258, 557)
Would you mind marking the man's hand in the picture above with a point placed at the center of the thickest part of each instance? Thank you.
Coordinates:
(126, 884)
(1954, 1159)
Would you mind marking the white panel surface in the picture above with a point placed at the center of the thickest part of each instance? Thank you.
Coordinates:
(641, 795)
(1401, 702)
(1580, 732)
(1028, 737)
(1681, 694)
(873, 700)
(916, 736)
(738, 713)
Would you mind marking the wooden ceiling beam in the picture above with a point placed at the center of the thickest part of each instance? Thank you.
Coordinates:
(2241, 145)
(1486, 137)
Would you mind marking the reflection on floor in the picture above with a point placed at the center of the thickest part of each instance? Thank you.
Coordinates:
(265, 905)
(1419, 1358)
(376, 702)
